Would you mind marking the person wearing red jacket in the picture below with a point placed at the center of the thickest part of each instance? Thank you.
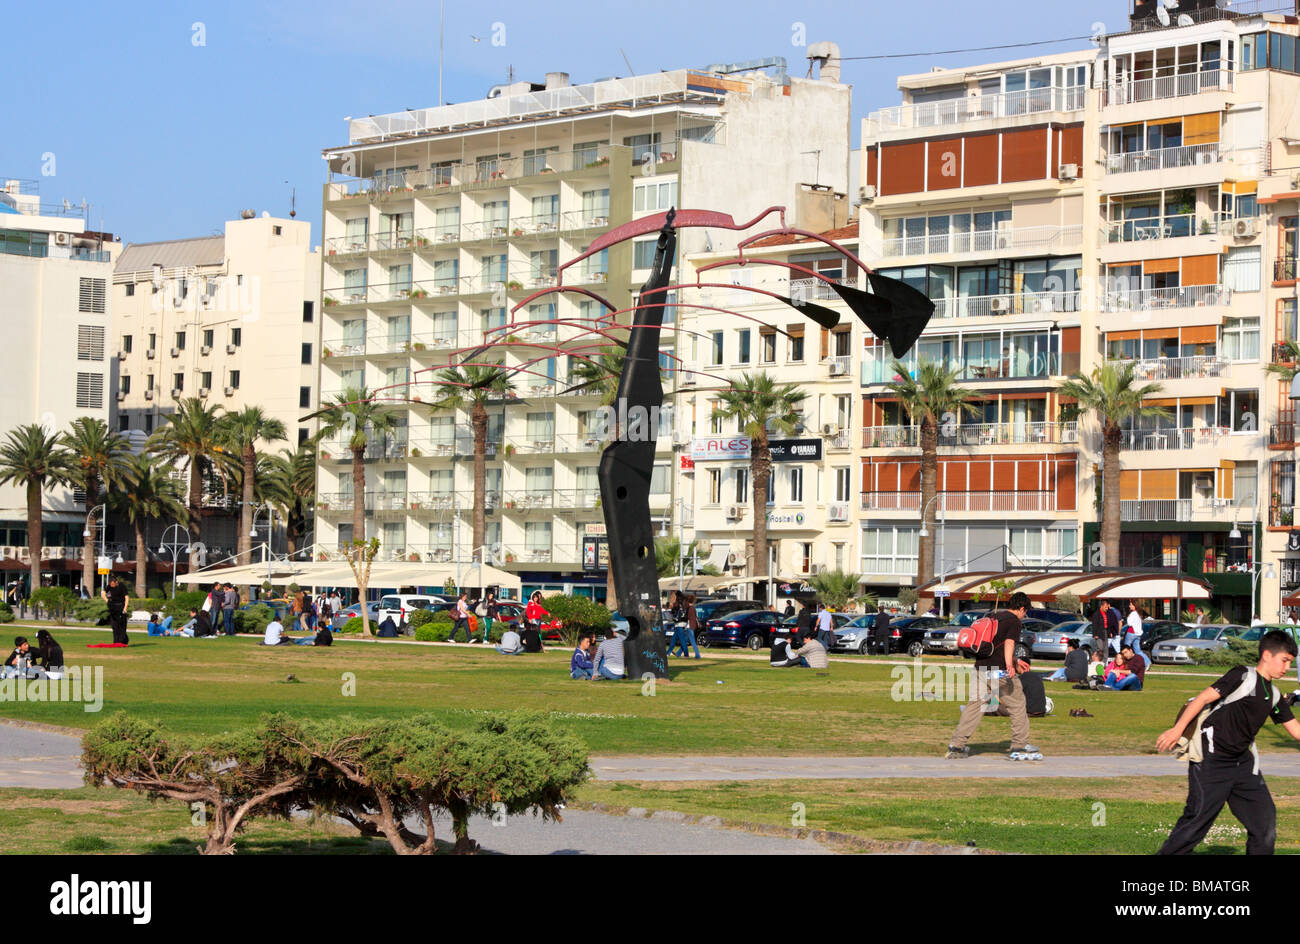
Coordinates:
(534, 611)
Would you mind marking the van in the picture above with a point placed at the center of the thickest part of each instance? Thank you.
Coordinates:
(400, 606)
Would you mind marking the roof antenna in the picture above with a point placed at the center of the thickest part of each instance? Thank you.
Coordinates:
(630, 70)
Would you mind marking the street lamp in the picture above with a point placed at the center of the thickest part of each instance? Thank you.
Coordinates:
(164, 547)
(103, 528)
(270, 532)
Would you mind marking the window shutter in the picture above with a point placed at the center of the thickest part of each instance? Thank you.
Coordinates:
(90, 391)
(91, 296)
(90, 342)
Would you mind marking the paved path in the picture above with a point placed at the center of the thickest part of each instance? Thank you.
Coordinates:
(39, 759)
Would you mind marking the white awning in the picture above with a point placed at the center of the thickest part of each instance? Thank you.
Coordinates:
(718, 554)
(339, 574)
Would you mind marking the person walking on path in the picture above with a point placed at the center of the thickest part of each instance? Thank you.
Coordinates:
(825, 627)
(997, 674)
(1105, 627)
(229, 600)
(118, 600)
(460, 613)
(1133, 627)
(1227, 770)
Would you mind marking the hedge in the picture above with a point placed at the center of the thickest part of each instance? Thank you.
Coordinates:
(577, 615)
(6, 613)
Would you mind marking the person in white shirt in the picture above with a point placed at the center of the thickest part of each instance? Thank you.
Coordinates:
(1133, 630)
(511, 644)
(275, 634)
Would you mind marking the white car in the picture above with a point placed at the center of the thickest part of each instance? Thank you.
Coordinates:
(400, 606)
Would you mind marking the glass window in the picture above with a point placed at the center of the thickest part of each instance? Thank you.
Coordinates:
(743, 335)
(717, 349)
(1241, 339)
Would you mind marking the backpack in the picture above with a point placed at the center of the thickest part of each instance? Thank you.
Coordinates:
(976, 640)
(1188, 747)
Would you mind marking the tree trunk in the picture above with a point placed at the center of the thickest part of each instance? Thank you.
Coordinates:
(359, 493)
(760, 470)
(88, 541)
(196, 512)
(141, 560)
(246, 511)
(1110, 496)
(479, 420)
(34, 536)
(929, 488)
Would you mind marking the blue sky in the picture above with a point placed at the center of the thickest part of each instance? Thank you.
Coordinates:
(167, 138)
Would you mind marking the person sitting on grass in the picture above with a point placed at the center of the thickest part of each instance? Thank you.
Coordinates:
(323, 637)
(608, 661)
(159, 627)
(275, 635)
(1076, 664)
(511, 643)
(203, 628)
(1128, 672)
(812, 652)
(580, 666)
(782, 658)
(22, 653)
(531, 638)
(49, 653)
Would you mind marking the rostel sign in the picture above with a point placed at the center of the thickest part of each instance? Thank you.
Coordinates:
(720, 447)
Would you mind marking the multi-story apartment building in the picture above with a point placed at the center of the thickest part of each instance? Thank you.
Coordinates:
(230, 319)
(438, 221)
(54, 303)
(974, 192)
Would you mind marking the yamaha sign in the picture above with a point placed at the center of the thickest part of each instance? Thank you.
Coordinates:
(796, 450)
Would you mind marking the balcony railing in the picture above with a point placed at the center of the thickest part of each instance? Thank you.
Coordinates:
(816, 289)
(1188, 155)
(988, 306)
(1174, 226)
(961, 501)
(978, 108)
(542, 224)
(1156, 509)
(1282, 434)
(1157, 440)
(1153, 299)
(436, 501)
(1284, 270)
(973, 434)
(879, 369)
(578, 219)
(838, 366)
(1168, 86)
(337, 450)
(1180, 368)
(1006, 239)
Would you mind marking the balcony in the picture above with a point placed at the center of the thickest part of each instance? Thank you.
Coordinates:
(976, 108)
(1188, 155)
(839, 366)
(1282, 435)
(887, 566)
(1180, 368)
(1159, 440)
(973, 434)
(992, 306)
(1156, 299)
(878, 368)
(576, 220)
(544, 224)
(1176, 509)
(1173, 226)
(1167, 86)
(339, 450)
(962, 501)
(1284, 270)
(1044, 239)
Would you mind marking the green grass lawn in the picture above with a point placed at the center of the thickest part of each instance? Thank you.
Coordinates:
(713, 706)
(1032, 816)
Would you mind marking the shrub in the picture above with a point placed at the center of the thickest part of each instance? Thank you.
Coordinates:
(438, 631)
(577, 615)
(57, 602)
(1236, 652)
(908, 597)
(156, 593)
(420, 618)
(352, 626)
(180, 606)
(254, 619)
(91, 611)
(6, 613)
(1069, 603)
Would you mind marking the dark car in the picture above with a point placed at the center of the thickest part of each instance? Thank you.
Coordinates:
(753, 629)
(706, 610)
(907, 634)
(1029, 630)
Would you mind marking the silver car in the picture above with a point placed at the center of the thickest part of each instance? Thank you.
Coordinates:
(1054, 642)
(1176, 651)
(855, 635)
(942, 639)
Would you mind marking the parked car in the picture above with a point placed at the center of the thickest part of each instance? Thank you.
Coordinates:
(1176, 650)
(908, 633)
(753, 629)
(943, 639)
(706, 610)
(1052, 642)
(355, 610)
(1029, 630)
(855, 634)
(400, 606)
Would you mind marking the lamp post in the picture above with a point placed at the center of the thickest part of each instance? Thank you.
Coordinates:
(943, 533)
(164, 547)
(103, 529)
(270, 530)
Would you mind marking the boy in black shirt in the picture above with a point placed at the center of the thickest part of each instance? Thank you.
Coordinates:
(999, 672)
(1228, 771)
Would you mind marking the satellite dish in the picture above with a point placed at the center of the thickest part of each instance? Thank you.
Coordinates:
(1185, 20)
(1162, 15)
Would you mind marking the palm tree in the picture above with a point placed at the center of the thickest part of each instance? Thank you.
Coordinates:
(760, 406)
(473, 387)
(290, 485)
(147, 493)
(929, 398)
(356, 413)
(240, 433)
(30, 458)
(191, 437)
(1110, 393)
(96, 458)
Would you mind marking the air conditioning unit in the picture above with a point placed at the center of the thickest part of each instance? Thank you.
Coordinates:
(148, 394)
(203, 392)
(680, 438)
(828, 429)
(815, 569)
(176, 393)
(230, 349)
(1244, 228)
(689, 380)
(733, 559)
(205, 351)
(151, 353)
(1068, 172)
(998, 306)
(735, 512)
(60, 239)
(839, 368)
(868, 192)
(838, 513)
(176, 352)
(121, 355)
(1204, 481)
(230, 391)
